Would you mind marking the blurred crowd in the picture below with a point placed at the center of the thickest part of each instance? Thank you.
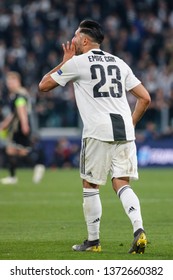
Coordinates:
(140, 32)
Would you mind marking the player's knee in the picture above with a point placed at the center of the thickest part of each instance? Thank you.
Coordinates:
(89, 185)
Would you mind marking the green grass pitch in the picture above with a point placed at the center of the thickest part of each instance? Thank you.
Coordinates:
(43, 221)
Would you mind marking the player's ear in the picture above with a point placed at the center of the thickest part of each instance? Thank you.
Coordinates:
(85, 41)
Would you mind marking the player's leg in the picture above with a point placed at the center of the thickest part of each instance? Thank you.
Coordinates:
(132, 208)
(14, 152)
(92, 210)
(12, 160)
(129, 201)
(38, 161)
(93, 172)
(35, 160)
(124, 168)
(38, 173)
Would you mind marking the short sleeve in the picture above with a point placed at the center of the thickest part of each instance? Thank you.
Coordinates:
(20, 101)
(68, 72)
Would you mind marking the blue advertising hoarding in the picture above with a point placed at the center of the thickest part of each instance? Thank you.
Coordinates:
(155, 153)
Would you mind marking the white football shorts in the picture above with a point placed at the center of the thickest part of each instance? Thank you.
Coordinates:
(98, 159)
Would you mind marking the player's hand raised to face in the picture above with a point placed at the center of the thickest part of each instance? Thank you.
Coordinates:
(69, 50)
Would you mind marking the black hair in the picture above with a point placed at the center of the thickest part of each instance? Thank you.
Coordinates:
(92, 29)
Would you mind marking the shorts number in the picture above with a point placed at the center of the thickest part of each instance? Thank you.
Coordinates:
(98, 72)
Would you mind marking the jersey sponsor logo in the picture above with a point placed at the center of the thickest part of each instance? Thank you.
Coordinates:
(59, 72)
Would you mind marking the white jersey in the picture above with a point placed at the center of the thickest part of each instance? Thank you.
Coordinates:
(100, 83)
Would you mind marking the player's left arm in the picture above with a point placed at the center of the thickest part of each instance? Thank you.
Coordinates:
(47, 83)
(143, 101)
(21, 108)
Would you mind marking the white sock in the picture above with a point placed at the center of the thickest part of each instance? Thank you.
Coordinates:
(38, 173)
(92, 209)
(131, 206)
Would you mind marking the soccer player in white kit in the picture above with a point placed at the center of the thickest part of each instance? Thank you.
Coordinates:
(101, 81)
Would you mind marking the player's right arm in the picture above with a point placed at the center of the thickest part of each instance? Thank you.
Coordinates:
(143, 101)
(47, 83)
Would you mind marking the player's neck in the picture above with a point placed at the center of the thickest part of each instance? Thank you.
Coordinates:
(90, 47)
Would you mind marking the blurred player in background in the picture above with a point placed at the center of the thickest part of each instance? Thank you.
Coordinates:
(17, 122)
(100, 81)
